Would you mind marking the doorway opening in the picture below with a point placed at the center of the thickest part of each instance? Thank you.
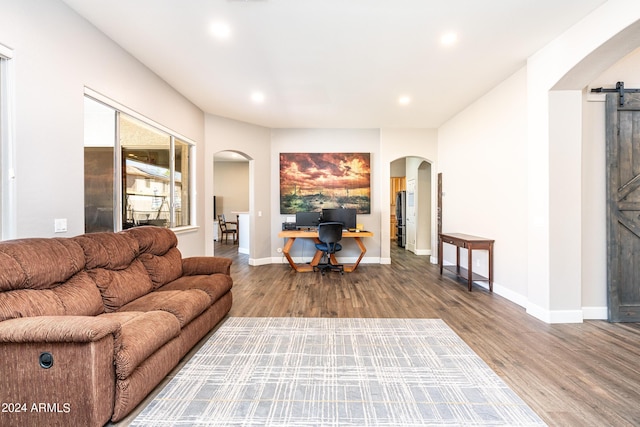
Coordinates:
(231, 198)
(411, 211)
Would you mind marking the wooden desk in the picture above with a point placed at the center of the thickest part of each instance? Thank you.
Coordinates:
(292, 235)
(470, 243)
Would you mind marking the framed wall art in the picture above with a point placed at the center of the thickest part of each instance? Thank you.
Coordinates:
(310, 182)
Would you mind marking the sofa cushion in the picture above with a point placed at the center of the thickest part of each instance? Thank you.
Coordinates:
(28, 303)
(38, 263)
(78, 296)
(163, 269)
(119, 287)
(154, 240)
(113, 251)
(215, 285)
(185, 305)
(141, 334)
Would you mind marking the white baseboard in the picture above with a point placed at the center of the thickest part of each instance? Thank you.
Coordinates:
(422, 252)
(566, 316)
(555, 316)
(507, 293)
(595, 313)
(260, 261)
(538, 312)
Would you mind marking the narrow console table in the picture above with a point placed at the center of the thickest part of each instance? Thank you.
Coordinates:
(470, 243)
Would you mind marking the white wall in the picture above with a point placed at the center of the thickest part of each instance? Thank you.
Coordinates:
(327, 141)
(594, 216)
(426, 227)
(57, 54)
(483, 159)
(231, 186)
(565, 167)
(398, 168)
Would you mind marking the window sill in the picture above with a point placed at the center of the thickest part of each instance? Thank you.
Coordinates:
(185, 229)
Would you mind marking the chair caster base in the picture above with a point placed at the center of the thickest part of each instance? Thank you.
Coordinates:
(322, 268)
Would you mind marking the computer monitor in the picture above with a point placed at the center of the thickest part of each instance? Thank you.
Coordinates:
(307, 219)
(345, 216)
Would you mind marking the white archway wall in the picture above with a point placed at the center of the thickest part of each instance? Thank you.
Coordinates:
(555, 289)
(418, 227)
(255, 142)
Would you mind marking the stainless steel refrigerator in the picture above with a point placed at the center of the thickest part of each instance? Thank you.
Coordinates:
(401, 218)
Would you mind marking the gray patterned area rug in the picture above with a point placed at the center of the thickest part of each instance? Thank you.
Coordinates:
(336, 372)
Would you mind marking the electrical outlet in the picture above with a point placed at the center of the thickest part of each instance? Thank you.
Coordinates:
(279, 250)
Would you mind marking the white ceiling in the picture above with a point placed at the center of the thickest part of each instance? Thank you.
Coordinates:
(334, 63)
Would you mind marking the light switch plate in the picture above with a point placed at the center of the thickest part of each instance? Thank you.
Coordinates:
(60, 225)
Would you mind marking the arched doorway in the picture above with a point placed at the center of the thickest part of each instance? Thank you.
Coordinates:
(231, 194)
(413, 176)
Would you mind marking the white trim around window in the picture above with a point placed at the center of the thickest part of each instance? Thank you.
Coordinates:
(6, 52)
(8, 223)
(119, 107)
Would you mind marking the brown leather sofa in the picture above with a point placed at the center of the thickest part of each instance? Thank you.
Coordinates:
(89, 325)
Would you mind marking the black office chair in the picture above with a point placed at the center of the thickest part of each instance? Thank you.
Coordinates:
(329, 234)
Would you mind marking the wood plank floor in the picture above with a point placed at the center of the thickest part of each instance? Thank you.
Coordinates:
(572, 375)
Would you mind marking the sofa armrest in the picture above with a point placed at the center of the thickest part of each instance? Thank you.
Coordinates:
(206, 265)
(60, 360)
(57, 329)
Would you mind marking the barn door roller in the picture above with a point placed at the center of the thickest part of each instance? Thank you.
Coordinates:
(619, 88)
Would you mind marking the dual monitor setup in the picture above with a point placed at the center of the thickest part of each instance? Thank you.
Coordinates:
(310, 220)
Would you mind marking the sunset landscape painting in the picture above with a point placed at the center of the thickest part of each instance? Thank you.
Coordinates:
(310, 182)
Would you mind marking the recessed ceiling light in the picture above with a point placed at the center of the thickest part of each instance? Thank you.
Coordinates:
(404, 100)
(221, 30)
(257, 97)
(449, 38)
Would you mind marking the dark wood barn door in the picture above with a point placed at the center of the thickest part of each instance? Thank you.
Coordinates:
(623, 207)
